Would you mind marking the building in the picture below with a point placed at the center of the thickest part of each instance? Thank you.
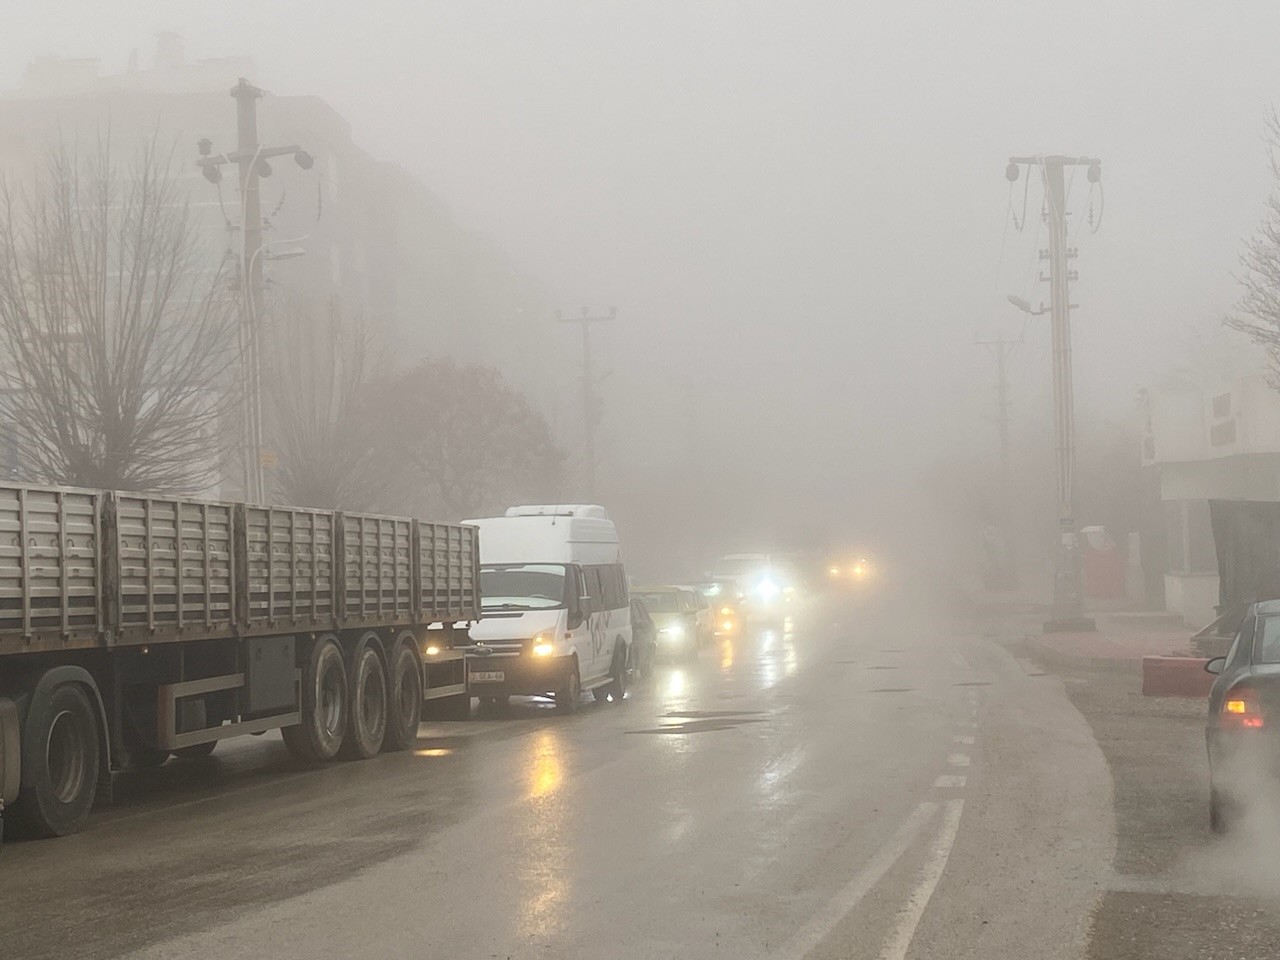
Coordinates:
(352, 230)
(1208, 441)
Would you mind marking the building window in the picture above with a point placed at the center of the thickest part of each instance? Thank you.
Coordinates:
(1222, 434)
(1222, 405)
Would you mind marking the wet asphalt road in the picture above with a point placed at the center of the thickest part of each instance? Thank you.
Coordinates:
(863, 781)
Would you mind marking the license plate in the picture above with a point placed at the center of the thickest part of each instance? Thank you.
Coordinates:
(488, 676)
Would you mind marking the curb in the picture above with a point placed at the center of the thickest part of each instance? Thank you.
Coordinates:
(1058, 658)
(1175, 677)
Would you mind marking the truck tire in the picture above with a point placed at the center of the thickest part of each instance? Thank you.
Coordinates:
(324, 704)
(60, 762)
(404, 685)
(367, 713)
(197, 752)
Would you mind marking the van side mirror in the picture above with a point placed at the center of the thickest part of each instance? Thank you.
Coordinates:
(1216, 665)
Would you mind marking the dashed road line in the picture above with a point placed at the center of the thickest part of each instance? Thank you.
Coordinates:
(862, 882)
(950, 781)
(958, 760)
(899, 942)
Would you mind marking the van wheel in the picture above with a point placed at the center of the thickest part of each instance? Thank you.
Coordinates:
(367, 715)
(570, 689)
(616, 688)
(324, 704)
(60, 762)
(404, 683)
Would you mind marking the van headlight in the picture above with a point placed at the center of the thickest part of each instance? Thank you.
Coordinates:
(542, 647)
(674, 633)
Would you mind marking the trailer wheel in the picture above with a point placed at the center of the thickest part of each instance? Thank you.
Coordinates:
(324, 704)
(367, 714)
(60, 762)
(404, 681)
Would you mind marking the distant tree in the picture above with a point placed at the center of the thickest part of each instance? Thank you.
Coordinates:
(461, 441)
(1258, 312)
(320, 418)
(117, 329)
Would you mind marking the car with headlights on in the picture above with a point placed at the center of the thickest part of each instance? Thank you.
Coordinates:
(730, 618)
(1242, 733)
(675, 613)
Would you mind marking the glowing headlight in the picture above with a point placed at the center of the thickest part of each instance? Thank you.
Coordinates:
(542, 647)
(767, 589)
(675, 633)
(834, 571)
(726, 611)
(431, 650)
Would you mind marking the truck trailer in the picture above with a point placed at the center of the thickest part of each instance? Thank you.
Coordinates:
(136, 627)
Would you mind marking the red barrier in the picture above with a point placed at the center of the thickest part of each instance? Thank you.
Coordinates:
(1175, 677)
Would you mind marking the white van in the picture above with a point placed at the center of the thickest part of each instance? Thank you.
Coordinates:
(555, 609)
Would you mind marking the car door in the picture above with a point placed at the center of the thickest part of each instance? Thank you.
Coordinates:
(1237, 664)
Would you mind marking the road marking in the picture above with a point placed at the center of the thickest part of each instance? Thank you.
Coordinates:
(949, 781)
(958, 760)
(895, 948)
(964, 738)
(967, 724)
(848, 896)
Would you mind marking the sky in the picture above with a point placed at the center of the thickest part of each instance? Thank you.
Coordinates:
(801, 206)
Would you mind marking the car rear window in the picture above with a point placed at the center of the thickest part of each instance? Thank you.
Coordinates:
(1267, 649)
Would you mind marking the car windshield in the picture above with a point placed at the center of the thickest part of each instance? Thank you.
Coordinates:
(522, 586)
(659, 602)
(1267, 640)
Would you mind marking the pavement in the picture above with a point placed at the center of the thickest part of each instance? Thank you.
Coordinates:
(871, 779)
(1174, 891)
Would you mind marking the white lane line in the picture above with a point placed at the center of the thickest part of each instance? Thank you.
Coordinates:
(958, 760)
(895, 948)
(964, 738)
(967, 724)
(848, 896)
(950, 781)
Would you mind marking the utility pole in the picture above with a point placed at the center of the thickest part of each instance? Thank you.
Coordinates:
(250, 158)
(1068, 593)
(1000, 348)
(590, 400)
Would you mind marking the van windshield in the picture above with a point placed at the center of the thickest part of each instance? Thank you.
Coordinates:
(522, 586)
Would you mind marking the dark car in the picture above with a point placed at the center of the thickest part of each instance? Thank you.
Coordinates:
(1243, 730)
(644, 639)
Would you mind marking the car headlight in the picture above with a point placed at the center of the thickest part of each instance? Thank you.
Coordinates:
(726, 611)
(767, 589)
(675, 633)
(431, 649)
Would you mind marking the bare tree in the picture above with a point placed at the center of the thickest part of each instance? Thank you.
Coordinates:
(1258, 312)
(460, 440)
(118, 329)
(324, 430)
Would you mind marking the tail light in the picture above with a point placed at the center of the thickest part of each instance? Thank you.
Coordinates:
(1240, 710)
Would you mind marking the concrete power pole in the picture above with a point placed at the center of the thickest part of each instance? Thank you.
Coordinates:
(1068, 592)
(1000, 348)
(590, 400)
(250, 159)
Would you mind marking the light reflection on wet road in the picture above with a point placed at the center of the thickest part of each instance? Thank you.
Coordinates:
(720, 810)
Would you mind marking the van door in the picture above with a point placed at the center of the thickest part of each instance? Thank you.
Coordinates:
(592, 660)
